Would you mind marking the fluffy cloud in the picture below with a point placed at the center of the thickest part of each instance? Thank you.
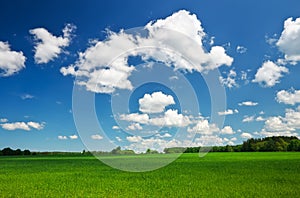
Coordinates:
(3, 120)
(47, 46)
(241, 49)
(115, 127)
(228, 112)
(248, 119)
(73, 137)
(269, 74)
(23, 126)
(171, 118)
(246, 135)
(11, 62)
(134, 138)
(166, 135)
(134, 126)
(289, 41)
(26, 96)
(135, 117)
(62, 137)
(96, 137)
(283, 125)
(288, 97)
(155, 103)
(203, 127)
(227, 130)
(163, 42)
(248, 103)
(36, 125)
(230, 80)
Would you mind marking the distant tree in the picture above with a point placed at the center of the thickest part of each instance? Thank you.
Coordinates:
(8, 151)
(27, 152)
(116, 150)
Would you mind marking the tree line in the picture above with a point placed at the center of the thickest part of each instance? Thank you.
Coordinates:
(8, 152)
(267, 144)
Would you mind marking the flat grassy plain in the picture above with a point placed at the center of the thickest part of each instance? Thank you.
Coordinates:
(274, 174)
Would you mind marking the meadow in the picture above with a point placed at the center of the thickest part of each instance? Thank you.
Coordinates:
(263, 174)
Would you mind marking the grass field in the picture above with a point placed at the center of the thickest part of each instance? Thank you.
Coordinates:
(215, 175)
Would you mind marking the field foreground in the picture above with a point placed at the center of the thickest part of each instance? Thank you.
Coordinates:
(275, 174)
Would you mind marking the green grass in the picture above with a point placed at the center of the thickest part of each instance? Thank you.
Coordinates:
(215, 175)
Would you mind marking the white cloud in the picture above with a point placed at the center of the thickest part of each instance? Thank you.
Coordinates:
(165, 36)
(166, 135)
(248, 119)
(22, 125)
(288, 97)
(246, 135)
(96, 137)
(203, 127)
(289, 41)
(248, 103)
(15, 126)
(11, 62)
(155, 103)
(135, 117)
(286, 125)
(62, 137)
(230, 80)
(227, 130)
(259, 119)
(36, 125)
(73, 137)
(269, 74)
(228, 112)
(47, 46)
(3, 120)
(134, 126)
(171, 118)
(119, 139)
(115, 127)
(241, 49)
(134, 138)
(233, 139)
(26, 96)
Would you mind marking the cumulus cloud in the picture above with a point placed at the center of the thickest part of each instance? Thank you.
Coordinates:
(171, 118)
(3, 120)
(115, 127)
(248, 119)
(248, 103)
(269, 74)
(246, 135)
(134, 126)
(227, 130)
(134, 138)
(11, 62)
(286, 125)
(96, 137)
(155, 103)
(203, 127)
(135, 117)
(62, 137)
(47, 46)
(26, 96)
(289, 41)
(166, 135)
(97, 73)
(228, 112)
(288, 97)
(73, 137)
(241, 49)
(230, 80)
(22, 126)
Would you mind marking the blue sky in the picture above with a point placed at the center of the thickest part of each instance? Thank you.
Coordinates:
(245, 59)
